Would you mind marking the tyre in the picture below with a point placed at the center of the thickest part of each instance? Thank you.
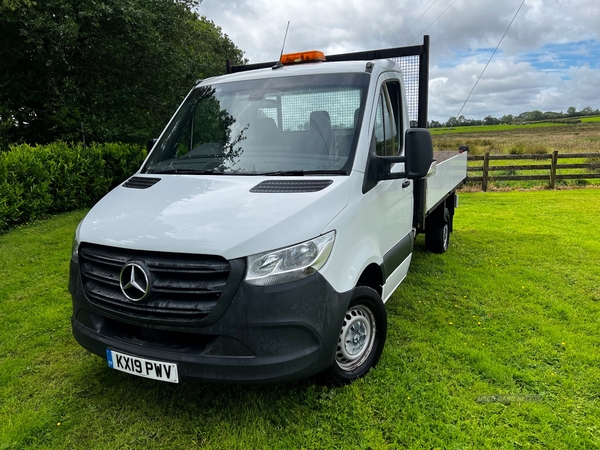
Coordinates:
(361, 339)
(437, 234)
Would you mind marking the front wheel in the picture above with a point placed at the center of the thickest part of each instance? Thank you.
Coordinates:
(361, 338)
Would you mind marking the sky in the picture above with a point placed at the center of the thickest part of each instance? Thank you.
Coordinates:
(549, 59)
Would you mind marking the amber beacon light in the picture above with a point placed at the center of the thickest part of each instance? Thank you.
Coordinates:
(302, 57)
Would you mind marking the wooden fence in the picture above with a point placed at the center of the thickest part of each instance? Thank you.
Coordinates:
(550, 170)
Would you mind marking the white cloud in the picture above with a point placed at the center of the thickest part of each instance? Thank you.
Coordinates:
(522, 76)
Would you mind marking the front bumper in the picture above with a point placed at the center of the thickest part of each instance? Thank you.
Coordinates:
(265, 335)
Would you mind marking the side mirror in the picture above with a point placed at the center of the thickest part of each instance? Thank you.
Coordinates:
(418, 157)
(150, 144)
(418, 160)
(419, 153)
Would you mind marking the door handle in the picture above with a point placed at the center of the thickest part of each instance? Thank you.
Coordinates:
(405, 184)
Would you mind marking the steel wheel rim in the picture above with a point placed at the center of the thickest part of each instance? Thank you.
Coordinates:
(356, 339)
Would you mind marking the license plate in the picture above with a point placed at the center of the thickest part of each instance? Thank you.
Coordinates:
(147, 368)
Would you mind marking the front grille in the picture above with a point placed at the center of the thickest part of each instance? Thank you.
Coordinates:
(184, 288)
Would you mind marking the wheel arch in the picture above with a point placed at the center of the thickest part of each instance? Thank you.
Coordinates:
(372, 276)
(443, 211)
(365, 307)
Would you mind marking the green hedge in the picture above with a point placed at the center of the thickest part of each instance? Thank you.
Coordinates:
(36, 181)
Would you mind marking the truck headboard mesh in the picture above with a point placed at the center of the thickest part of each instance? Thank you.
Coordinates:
(410, 71)
(413, 61)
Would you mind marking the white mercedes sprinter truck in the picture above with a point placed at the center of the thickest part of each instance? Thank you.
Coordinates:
(269, 224)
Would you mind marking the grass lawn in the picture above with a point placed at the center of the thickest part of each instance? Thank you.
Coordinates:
(494, 344)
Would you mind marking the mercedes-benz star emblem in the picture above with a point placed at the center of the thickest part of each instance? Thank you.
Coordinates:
(134, 281)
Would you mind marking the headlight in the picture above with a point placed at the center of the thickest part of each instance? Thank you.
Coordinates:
(289, 264)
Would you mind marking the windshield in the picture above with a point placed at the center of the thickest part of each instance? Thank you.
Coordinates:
(286, 125)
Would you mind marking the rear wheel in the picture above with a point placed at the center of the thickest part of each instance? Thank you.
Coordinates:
(437, 234)
(361, 337)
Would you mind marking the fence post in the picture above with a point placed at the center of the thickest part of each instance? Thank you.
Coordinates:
(553, 168)
(486, 164)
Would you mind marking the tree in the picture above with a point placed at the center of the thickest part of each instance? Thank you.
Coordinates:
(571, 111)
(489, 120)
(452, 122)
(532, 115)
(116, 69)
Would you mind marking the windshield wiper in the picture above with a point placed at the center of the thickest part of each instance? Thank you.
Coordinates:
(186, 172)
(208, 155)
(303, 172)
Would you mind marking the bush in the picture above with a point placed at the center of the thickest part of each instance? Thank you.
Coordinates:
(59, 177)
(527, 148)
(518, 148)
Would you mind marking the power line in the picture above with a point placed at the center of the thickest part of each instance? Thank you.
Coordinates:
(411, 27)
(423, 32)
(488, 63)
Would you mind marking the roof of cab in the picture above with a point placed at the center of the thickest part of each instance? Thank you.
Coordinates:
(306, 69)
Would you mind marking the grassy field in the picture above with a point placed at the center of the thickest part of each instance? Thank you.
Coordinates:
(591, 119)
(494, 128)
(494, 344)
(521, 139)
(525, 140)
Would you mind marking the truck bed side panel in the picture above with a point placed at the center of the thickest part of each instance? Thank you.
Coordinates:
(451, 171)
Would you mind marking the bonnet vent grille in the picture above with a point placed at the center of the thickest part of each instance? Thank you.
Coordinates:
(289, 186)
(140, 182)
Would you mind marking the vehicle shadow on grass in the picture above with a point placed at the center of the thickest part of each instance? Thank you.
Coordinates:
(191, 402)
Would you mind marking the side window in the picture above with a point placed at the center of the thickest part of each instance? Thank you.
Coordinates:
(387, 121)
(395, 98)
(379, 130)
